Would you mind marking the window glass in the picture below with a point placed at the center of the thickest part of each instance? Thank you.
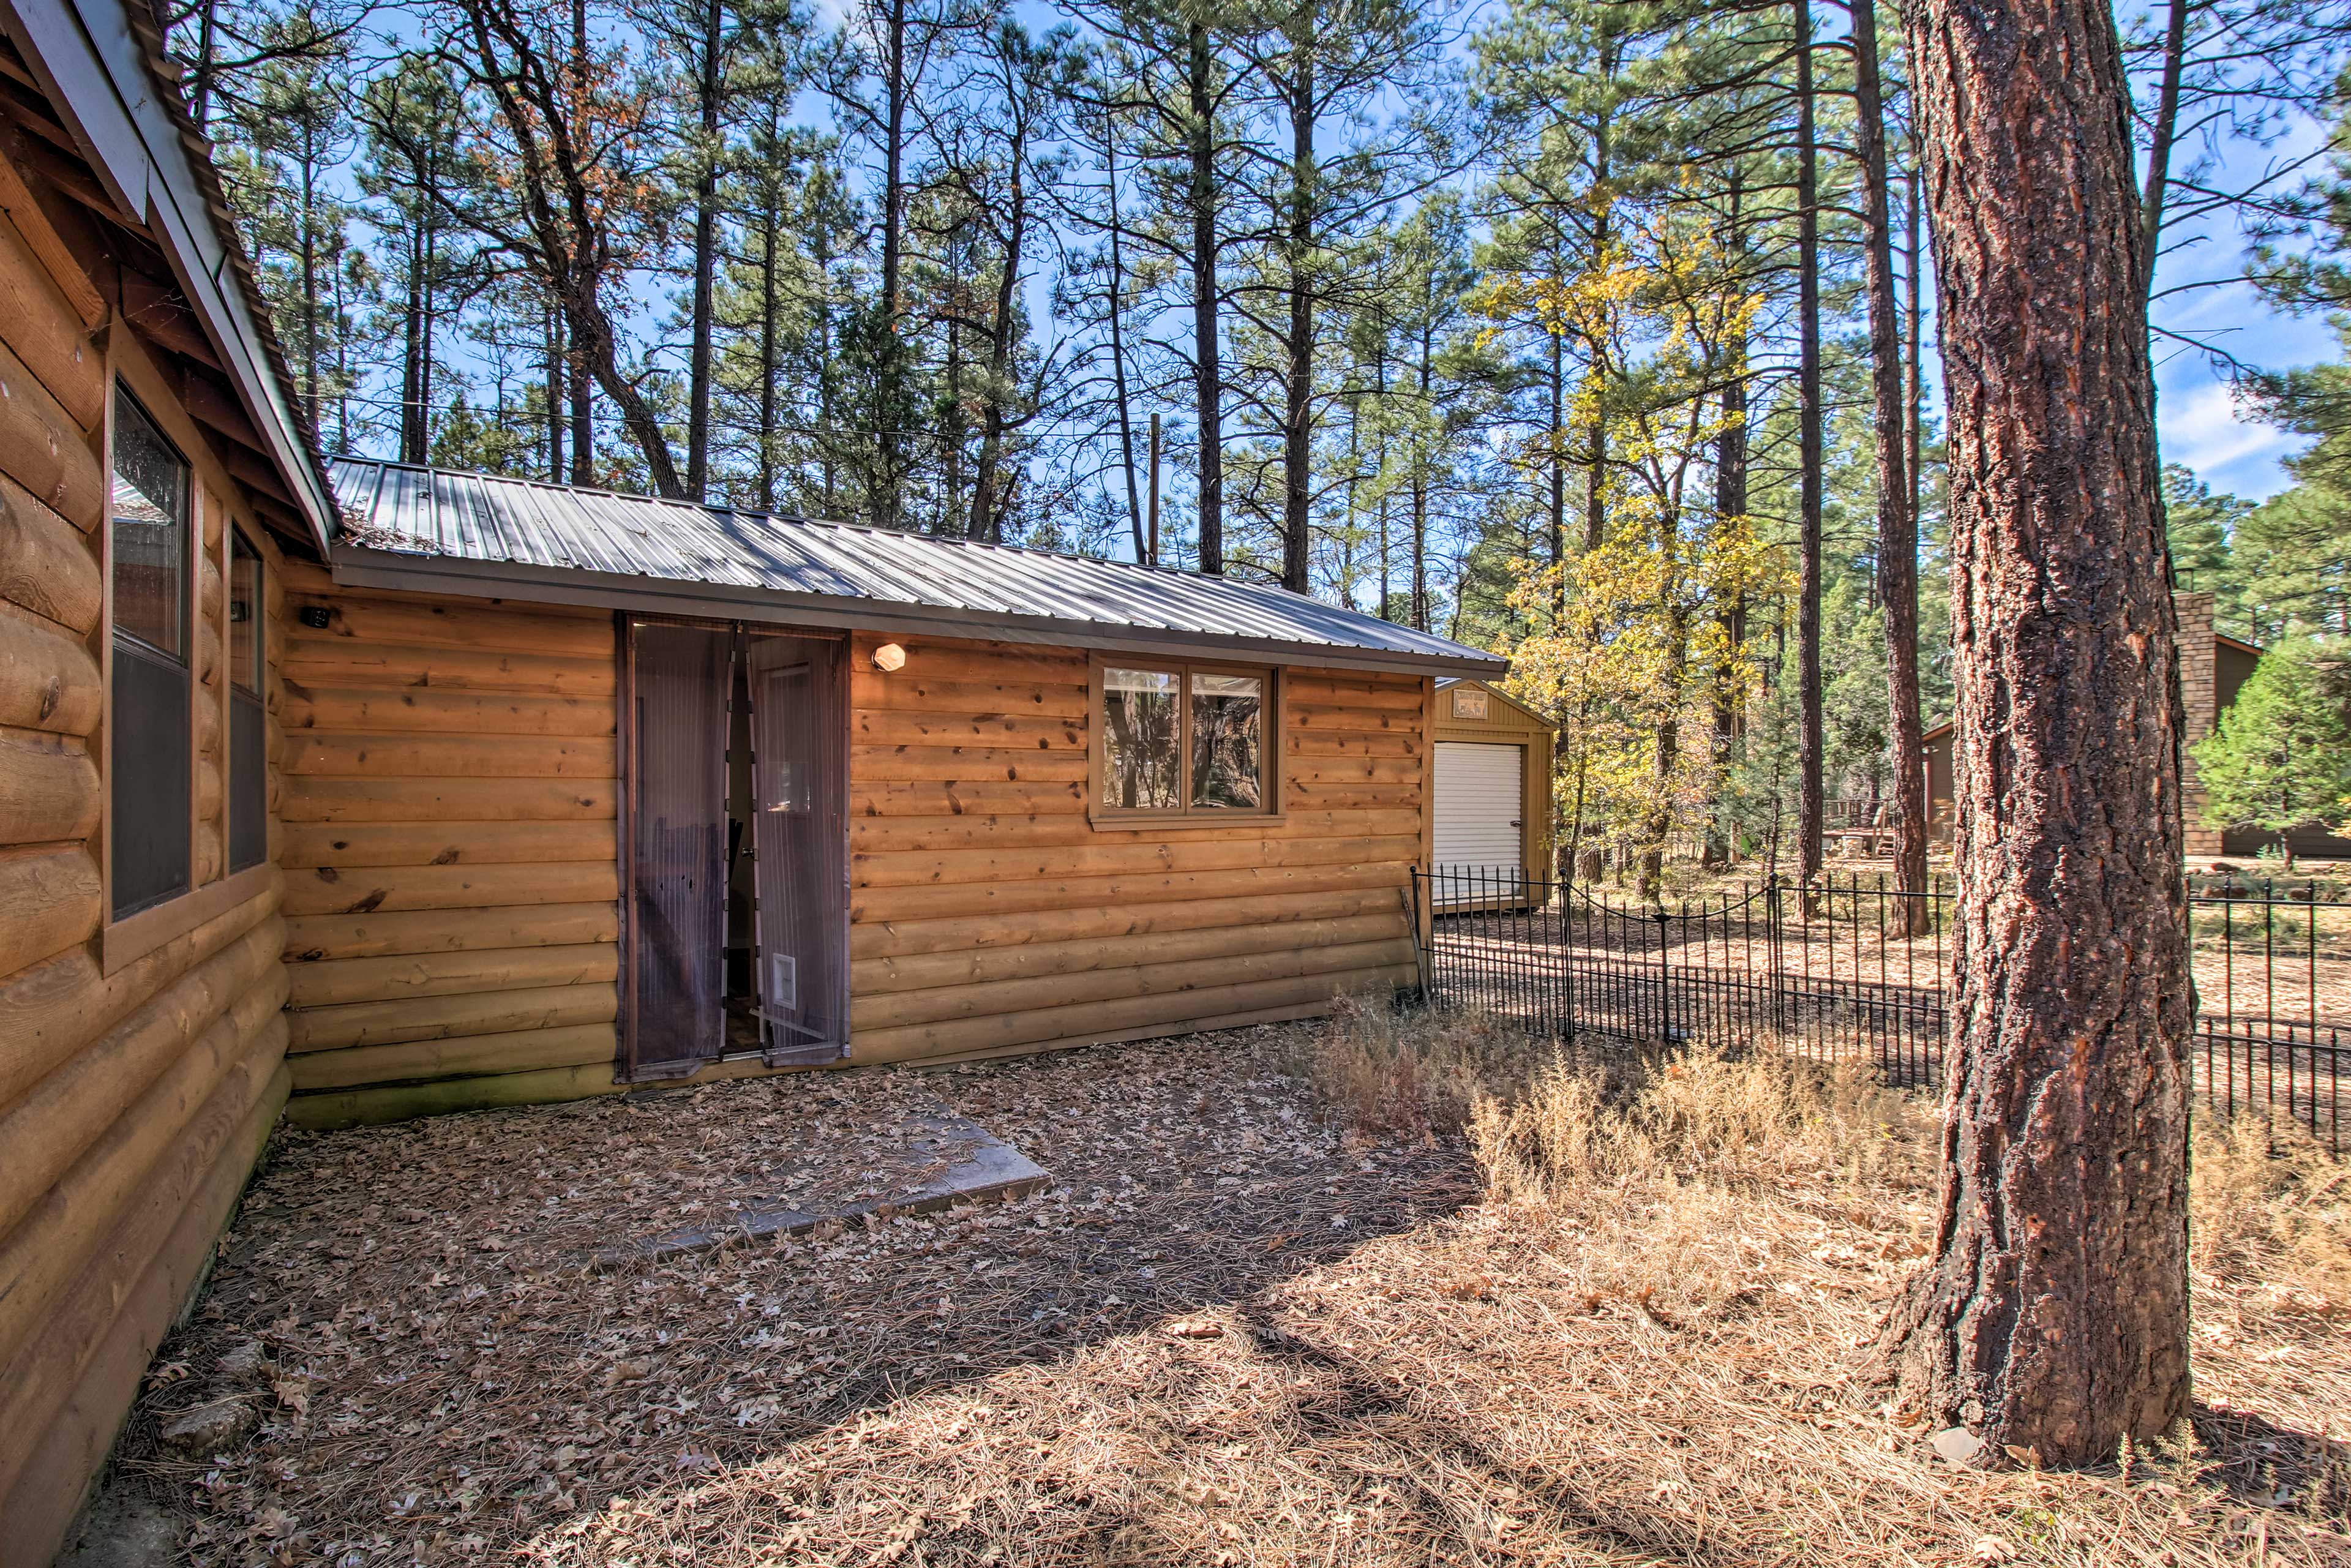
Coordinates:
(1141, 761)
(150, 534)
(245, 653)
(1227, 740)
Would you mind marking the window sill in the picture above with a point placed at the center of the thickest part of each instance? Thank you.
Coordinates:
(1180, 821)
(133, 937)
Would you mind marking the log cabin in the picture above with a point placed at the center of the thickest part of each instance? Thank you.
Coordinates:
(340, 793)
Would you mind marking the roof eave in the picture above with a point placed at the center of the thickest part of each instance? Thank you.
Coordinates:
(102, 82)
(361, 567)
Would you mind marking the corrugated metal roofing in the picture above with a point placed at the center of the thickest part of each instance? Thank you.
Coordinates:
(410, 527)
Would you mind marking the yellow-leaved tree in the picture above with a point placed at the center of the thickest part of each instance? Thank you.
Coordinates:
(1630, 650)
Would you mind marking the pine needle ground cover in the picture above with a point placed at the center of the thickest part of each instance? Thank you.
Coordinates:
(1388, 1290)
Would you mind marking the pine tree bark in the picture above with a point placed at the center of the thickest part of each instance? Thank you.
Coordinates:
(1120, 397)
(2162, 133)
(1731, 501)
(1897, 534)
(706, 256)
(986, 503)
(895, 399)
(555, 358)
(2051, 1322)
(1297, 378)
(1812, 742)
(1209, 380)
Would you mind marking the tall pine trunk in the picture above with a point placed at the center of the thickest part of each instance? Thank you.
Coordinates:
(770, 307)
(886, 503)
(412, 355)
(2051, 1322)
(986, 502)
(1729, 502)
(1297, 378)
(1897, 534)
(1420, 453)
(1555, 439)
(1595, 454)
(1118, 345)
(583, 416)
(2162, 133)
(1208, 373)
(705, 258)
(554, 394)
(1812, 744)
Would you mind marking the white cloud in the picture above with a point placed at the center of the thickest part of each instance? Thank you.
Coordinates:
(2201, 425)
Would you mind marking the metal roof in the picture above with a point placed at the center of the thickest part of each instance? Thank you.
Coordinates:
(414, 528)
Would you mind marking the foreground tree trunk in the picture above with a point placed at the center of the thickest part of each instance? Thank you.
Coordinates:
(2053, 1319)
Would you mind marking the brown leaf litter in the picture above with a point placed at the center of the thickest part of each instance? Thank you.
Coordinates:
(1232, 1333)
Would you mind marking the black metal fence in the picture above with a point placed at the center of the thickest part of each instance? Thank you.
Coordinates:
(1852, 968)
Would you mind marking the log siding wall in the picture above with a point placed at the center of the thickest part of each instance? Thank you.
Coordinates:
(135, 1094)
(450, 850)
(989, 914)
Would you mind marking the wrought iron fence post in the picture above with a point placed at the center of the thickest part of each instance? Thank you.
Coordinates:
(1665, 978)
(1421, 938)
(1564, 888)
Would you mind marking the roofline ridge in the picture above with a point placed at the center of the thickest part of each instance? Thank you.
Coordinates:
(809, 522)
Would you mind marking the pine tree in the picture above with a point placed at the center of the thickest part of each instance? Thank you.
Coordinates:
(2279, 761)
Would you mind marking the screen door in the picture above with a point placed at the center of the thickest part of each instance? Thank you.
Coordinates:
(800, 734)
(679, 677)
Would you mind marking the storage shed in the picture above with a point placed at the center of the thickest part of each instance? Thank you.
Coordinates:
(360, 795)
(1492, 784)
(586, 790)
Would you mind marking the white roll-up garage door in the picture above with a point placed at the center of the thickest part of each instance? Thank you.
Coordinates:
(1479, 800)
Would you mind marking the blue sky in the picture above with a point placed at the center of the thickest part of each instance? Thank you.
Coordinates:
(2199, 420)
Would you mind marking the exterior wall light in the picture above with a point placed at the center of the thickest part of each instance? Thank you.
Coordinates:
(889, 656)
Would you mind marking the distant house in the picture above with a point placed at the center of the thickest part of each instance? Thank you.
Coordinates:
(2213, 667)
(359, 794)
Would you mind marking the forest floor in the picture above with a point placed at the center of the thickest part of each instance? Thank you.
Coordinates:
(1305, 1295)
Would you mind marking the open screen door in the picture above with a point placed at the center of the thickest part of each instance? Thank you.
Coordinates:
(801, 842)
(678, 681)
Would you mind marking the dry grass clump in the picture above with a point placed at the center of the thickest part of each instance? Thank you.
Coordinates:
(1699, 1115)
(1386, 1071)
(2268, 1200)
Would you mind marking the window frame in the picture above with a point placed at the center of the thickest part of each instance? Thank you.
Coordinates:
(188, 656)
(126, 938)
(233, 537)
(1183, 667)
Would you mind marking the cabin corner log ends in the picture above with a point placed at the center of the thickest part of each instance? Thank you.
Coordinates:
(2051, 1322)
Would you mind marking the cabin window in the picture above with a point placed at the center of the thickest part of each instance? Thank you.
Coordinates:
(1183, 740)
(148, 730)
(248, 739)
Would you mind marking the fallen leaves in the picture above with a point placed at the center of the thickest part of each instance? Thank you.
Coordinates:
(438, 1370)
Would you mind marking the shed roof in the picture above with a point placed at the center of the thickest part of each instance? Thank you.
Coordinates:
(407, 526)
